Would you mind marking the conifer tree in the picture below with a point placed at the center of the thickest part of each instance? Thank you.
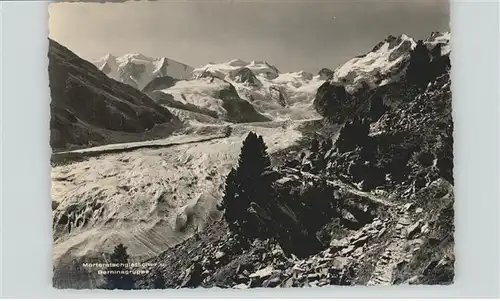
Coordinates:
(118, 275)
(314, 145)
(248, 192)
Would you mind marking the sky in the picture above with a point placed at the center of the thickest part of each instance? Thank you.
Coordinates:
(293, 35)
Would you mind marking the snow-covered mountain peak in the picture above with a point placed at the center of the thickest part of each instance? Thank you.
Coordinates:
(386, 62)
(377, 67)
(223, 70)
(108, 57)
(390, 42)
(237, 63)
(138, 70)
(439, 38)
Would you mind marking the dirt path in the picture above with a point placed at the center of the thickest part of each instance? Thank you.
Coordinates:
(399, 251)
(366, 195)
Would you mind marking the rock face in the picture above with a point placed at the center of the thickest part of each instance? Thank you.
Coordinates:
(88, 108)
(332, 98)
(168, 100)
(410, 142)
(382, 65)
(325, 74)
(238, 110)
(159, 83)
(245, 75)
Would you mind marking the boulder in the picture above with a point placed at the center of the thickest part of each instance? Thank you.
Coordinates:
(347, 250)
(297, 268)
(360, 241)
(313, 277)
(241, 286)
(382, 231)
(338, 264)
(263, 273)
(219, 255)
(274, 281)
(358, 252)
(425, 228)
(407, 206)
(307, 166)
(413, 229)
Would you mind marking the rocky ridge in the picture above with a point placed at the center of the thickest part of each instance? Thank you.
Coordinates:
(138, 70)
(88, 108)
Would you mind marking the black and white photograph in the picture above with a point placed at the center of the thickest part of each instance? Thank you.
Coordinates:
(251, 144)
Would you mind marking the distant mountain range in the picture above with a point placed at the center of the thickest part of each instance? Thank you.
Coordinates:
(138, 70)
(88, 102)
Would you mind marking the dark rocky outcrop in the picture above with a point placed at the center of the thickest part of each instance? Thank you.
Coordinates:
(159, 83)
(426, 65)
(325, 74)
(88, 108)
(238, 109)
(245, 75)
(332, 98)
(168, 100)
(407, 140)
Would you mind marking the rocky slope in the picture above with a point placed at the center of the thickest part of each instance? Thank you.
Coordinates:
(391, 166)
(88, 108)
(404, 246)
(394, 60)
(139, 70)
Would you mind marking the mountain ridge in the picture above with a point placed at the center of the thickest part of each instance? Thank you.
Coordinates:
(88, 108)
(138, 70)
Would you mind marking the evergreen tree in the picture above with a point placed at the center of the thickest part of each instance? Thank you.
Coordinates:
(249, 190)
(232, 208)
(314, 145)
(118, 275)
